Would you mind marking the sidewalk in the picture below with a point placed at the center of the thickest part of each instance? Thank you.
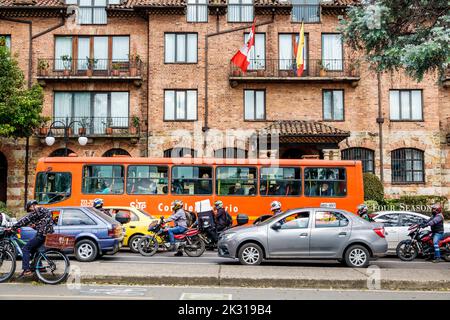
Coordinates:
(260, 276)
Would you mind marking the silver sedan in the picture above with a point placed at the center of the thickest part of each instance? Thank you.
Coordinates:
(306, 233)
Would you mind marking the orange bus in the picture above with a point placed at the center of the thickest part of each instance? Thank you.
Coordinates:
(244, 185)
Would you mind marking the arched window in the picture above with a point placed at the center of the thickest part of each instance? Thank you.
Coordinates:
(116, 152)
(407, 165)
(231, 153)
(180, 153)
(365, 155)
(60, 152)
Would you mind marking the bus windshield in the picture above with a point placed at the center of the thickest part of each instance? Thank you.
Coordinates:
(52, 187)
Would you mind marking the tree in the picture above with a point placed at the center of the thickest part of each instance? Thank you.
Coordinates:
(373, 188)
(413, 35)
(20, 107)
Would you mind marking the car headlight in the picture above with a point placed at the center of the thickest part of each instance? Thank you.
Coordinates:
(227, 236)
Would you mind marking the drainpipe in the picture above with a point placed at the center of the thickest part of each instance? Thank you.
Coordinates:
(207, 36)
(380, 121)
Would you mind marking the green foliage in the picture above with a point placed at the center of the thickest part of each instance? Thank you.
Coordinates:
(4, 209)
(373, 188)
(20, 108)
(409, 34)
(416, 203)
(372, 205)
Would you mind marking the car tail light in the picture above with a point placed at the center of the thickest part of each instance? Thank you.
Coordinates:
(379, 231)
(115, 232)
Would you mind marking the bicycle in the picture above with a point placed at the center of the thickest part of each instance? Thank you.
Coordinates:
(50, 264)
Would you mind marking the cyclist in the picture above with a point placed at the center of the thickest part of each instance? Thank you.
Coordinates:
(42, 220)
(98, 204)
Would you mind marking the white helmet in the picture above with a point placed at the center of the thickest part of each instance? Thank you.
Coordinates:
(275, 205)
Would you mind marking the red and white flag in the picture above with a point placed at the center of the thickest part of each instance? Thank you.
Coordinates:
(240, 59)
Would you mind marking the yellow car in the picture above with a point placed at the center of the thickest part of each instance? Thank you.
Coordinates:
(137, 226)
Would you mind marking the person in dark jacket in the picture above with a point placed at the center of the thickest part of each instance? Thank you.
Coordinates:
(180, 220)
(436, 222)
(98, 204)
(222, 222)
(42, 220)
(363, 212)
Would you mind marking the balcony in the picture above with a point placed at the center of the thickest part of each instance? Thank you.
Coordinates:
(89, 70)
(278, 70)
(93, 127)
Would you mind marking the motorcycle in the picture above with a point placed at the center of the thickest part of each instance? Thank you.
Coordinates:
(421, 242)
(190, 241)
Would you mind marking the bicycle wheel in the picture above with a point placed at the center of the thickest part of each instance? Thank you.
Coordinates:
(147, 246)
(52, 267)
(7, 265)
(8, 245)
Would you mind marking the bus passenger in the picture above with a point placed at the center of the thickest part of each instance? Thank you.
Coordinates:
(105, 187)
(238, 189)
(325, 190)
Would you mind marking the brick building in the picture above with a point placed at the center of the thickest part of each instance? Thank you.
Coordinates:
(153, 78)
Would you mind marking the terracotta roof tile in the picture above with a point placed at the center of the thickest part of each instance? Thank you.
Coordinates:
(303, 128)
(31, 3)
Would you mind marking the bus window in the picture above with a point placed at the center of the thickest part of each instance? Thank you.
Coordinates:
(105, 179)
(280, 181)
(325, 182)
(147, 180)
(236, 181)
(52, 187)
(191, 180)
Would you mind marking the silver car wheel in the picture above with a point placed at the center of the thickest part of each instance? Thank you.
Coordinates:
(250, 255)
(357, 257)
(135, 242)
(85, 251)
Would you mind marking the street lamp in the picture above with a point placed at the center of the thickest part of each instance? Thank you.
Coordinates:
(50, 140)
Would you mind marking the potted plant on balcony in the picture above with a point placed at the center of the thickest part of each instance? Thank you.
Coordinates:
(115, 69)
(134, 125)
(82, 129)
(135, 61)
(353, 68)
(43, 66)
(108, 126)
(67, 63)
(322, 68)
(91, 63)
(43, 129)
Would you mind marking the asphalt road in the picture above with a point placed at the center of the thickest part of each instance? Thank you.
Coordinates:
(9, 291)
(211, 258)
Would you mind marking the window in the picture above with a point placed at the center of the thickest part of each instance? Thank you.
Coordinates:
(240, 10)
(389, 220)
(180, 153)
(405, 105)
(231, 153)
(74, 217)
(280, 181)
(197, 11)
(180, 105)
(254, 105)
(180, 48)
(307, 11)
(325, 182)
(333, 105)
(257, 54)
(299, 220)
(92, 11)
(98, 110)
(106, 179)
(410, 219)
(5, 40)
(239, 181)
(332, 52)
(287, 51)
(407, 166)
(365, 155)
(191, 180)
(330, 219)
(116, 152)
(147, 180)
(53, 187)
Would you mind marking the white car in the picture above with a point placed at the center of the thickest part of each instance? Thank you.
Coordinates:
(396, 224)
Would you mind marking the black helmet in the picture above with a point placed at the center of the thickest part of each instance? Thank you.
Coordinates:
(29, 204)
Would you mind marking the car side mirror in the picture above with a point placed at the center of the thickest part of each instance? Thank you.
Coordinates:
(276, 226)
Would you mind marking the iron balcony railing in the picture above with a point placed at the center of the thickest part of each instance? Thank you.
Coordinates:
(93, 126)
(89, 68)
(287, 68)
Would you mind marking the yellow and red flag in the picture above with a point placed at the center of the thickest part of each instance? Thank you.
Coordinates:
(300, 59)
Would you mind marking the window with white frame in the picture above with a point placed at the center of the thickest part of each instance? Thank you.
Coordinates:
(406, 105)
(6, 39)
(180, 48)
(240, 10)
(92, 11)
(254, 104)
(332, 49)
(197, 11)
(333, 105)
(257, 55)
(287, 48)
(180, 105)
(307, 11)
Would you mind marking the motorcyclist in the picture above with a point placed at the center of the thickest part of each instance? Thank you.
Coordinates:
(222, 217)
(98, 204)
(207, 224)
(41, 218)
(275, 207)
(363, 212)
(179, 218)
(436, 222)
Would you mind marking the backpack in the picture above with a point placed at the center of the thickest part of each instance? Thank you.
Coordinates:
(190, 218)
